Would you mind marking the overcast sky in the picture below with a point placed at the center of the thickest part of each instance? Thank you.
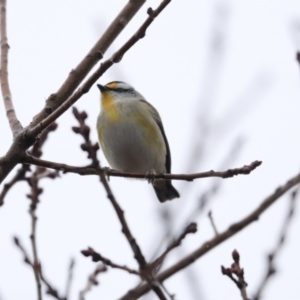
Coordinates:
(223, 75)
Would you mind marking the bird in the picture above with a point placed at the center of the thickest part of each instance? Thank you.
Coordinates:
(132, 136)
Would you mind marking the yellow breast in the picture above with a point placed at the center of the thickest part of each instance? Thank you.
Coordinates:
(109, 107)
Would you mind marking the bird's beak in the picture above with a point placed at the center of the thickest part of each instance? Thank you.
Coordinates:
(102, 88)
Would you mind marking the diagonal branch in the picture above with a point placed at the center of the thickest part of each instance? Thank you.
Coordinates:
(23, 141)
(116, 58)
(77, 75)
(271, 269)
(225, 235)
(14, 123)
(191, 228)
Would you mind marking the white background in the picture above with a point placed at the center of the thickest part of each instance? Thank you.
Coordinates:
(218, 72)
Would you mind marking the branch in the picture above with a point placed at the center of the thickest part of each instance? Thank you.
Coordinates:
(271, 270)
(191, 228)
(50, 289)
(77, 75)
(88, 170)
(23, 141)
(116, 58)
(70, 277)
(11, 115)
(19, 176)
(212, 222)
(84, 130)
(36, 191)
(92, 280)
(225, 235)
(236, 274)
(98, 257)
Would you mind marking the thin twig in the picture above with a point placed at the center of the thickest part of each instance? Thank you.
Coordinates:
(14, 123)
(191, 228)
(90, 252)
(34, 196)
(70, 277)
(271, 269)
(50, 289)
(88, 170)
(212, 222)
(92, 281)
(236, 274)
(225, 235)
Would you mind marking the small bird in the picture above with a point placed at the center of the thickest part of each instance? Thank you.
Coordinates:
(132, 136)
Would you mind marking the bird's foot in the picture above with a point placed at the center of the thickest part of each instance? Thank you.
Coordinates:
(150, 176)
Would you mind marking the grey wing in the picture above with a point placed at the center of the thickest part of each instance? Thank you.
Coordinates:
(161, 127)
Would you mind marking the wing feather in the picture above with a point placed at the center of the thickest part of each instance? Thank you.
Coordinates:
(161, 127)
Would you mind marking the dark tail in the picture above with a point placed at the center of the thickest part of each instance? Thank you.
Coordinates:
(165, 190)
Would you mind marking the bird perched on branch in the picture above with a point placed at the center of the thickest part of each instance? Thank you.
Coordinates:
(132, 136)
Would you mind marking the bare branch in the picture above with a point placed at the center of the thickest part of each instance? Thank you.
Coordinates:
(70, 277)
(245, 170)
(36, 191)
(19, 176)
(98, 257)
(92, 281)
(50, 289)
(83, 130)
(271, 270)
(34, 196)
(23, 141)
(236, 274)
(225, 235)
(77, 75)
(191, 228)
(116, 58)
(212, 222)
(14, 123)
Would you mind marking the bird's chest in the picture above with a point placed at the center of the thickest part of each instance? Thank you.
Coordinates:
(132, 143)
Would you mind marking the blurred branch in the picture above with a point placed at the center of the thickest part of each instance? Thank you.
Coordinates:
(236, 274)
(116, 58)
(271, 270)
(225, 235)
(50, 289)
(298, 57)
(14, 123)
(245, 170)
(70, 277)
(92, 281)
(90, 252)
(36, 191)
(212, 222)
(191, 228)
